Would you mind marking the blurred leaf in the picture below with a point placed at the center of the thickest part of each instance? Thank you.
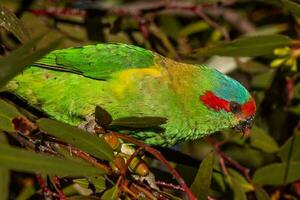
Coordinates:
(78, 197)
(25, 161)
(296, 91)
(7, 113)
(263, 141)
(238, 191)
(139, 122)
(4, 173)
(201, 184)
(27, 191)
(169, 25)
(87, 142)
(293, 7)
(110, 194)
(274, 174)
(287, 151)
(194, 28)
(295, 109)
(19, 59)
(246, 46)
(242, 181)
(11, 23)
(263, 80)
(97, 181)
(103, 118)
(261, 194)
(246, 156)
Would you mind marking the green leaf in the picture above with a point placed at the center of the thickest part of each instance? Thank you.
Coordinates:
(11, 23)
(201, 184)
(238, 192)
(4, 173)
(7, 113)
(263, 141)
(97, 181)
(87, 142)
(194, 28)
(19, 59)
(139, 122)
(27, 191)
(274, 174)
(293, 7)
(261, 194)
(103, 118)
(110, 194)
(244, 184)
(247, 46)
(25, 161)
(293, 150)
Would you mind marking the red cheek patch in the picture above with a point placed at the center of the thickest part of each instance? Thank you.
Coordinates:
(249, 108)
(214, 102)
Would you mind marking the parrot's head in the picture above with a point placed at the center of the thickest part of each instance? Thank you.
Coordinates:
(227, 100)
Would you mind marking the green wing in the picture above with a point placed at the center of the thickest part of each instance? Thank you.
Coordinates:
(97, 61)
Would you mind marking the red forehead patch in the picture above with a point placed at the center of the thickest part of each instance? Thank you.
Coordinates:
(214, 102)
(249, 108)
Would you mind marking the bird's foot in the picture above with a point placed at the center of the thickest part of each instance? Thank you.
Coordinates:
(89, 124)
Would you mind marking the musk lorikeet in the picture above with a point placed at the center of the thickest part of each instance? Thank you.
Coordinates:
(129, 81)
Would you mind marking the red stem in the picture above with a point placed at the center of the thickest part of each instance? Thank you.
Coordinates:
(160, 157)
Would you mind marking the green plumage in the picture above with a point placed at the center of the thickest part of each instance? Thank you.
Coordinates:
(129, 81)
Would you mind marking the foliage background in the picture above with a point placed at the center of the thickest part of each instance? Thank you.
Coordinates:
(256, 42)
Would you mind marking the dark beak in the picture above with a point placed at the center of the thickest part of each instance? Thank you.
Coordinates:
(245, 126)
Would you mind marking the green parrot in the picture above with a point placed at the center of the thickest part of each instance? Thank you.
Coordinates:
(136, 84)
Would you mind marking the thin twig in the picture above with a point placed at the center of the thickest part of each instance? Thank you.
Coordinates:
(160, 157)
(88, 158)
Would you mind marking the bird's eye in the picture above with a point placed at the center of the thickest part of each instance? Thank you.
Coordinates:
(235, 107)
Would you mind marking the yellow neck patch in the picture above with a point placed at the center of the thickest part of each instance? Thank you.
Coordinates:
(126, 80)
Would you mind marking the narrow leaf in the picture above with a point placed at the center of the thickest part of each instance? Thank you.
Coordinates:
(11, 23)
(110, 194)
(263, 141)
(4, 173)
(274, 174)
(290, 147)
(25, 161)
(19, 59)
(261, 194)
(239, 193)
(201, 184)
(87, 142)
(103, 118)
(293, 7)
(7, 113)
(139, 122)
(246, 46)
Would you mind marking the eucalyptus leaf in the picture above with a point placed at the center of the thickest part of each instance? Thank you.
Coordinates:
(246, 46)
(201, 184)
(292, 6)
(263, 141)
(290, 150)
(97, 181)
(238, 192)
(275, 174)
(19, 59)
(110, 194)
(11, 23)
(4, 173)
(103, 118)
(25, 161)
(87, 142)
(261, 194)
(139, 122)
(7, 113)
